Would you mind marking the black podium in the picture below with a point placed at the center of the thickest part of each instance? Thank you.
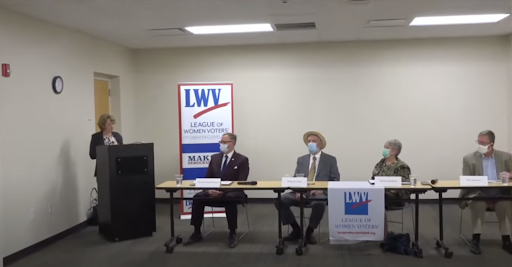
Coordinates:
(126, 191)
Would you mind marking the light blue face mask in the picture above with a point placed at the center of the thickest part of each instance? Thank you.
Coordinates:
(223, 148)
(313, 148)
(385, 153)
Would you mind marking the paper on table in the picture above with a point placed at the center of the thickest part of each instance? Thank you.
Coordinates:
(395, 181)
(473, 180)
(294, 182)
(226, 182)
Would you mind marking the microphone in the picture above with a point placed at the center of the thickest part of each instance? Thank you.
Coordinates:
(433, 181)
(247, 183)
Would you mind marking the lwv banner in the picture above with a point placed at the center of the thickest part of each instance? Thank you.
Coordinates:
(205, 114)
(356, 212)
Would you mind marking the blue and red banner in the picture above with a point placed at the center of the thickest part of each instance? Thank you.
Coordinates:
(205, 114)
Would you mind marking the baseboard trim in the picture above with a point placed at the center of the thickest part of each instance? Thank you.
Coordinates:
(10, 259)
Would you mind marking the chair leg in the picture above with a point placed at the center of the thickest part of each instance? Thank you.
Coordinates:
(460, 229)
(213, 219)
(247, 220)
(247, 216)
(213, 224)
(412, 217)
(326, 238)
(460, 222)
(319, 232)
(402, 223)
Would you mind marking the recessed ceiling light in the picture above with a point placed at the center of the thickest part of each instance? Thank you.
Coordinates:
(230, 28)
(463, 19)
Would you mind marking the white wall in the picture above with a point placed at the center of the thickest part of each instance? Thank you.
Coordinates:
(2, 234)
(45, 137)
(433, 95)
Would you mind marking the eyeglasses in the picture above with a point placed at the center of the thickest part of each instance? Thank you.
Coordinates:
(482, 144)
(225, 142)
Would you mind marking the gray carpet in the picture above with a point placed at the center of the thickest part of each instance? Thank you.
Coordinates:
(88, 249)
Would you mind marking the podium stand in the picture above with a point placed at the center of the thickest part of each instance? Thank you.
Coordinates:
(126, 191)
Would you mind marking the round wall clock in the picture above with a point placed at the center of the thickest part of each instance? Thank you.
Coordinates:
(57, 84)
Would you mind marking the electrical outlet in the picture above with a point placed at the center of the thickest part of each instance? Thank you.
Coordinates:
(32, 214)
(50, 208)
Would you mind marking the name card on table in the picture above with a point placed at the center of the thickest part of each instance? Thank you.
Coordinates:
(208, 182)
(294, 182)
(394, 181)
(474, 181)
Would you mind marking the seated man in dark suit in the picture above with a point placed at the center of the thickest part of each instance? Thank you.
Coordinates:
(316, 166)
(229, 166)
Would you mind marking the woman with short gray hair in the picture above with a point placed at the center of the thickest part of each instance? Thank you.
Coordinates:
(391, 165)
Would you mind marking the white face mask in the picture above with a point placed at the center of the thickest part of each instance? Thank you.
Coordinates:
(223, 148)
(482, 149)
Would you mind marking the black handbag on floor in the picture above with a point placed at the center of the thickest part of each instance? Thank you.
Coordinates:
(397, 243)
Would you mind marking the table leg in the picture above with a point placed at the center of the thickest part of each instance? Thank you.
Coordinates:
(174, 240)
(302, 242)
(280, 242)
(439, 242)
(416, 249)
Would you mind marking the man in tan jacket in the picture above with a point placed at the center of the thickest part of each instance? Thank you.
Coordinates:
(487, 161)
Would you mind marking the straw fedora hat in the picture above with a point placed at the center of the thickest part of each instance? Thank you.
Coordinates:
(306, 135)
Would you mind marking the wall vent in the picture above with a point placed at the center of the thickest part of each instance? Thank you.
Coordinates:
(295, 26)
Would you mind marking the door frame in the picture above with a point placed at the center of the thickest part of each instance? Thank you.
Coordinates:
(109, 91)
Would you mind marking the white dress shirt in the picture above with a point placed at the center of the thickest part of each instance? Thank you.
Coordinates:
(230, 154)
(317, 156)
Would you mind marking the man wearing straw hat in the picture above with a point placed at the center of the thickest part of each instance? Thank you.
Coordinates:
(316, 166)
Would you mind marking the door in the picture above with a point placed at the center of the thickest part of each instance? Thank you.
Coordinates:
(101, 99)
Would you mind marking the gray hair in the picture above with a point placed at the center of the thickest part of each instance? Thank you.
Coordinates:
(489, 134)
(231, 136)
(395, 145)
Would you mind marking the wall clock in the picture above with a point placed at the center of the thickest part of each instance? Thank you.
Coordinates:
(57, 84)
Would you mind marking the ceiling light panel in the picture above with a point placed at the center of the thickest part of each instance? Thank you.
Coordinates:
(455, 20)
(222, 29)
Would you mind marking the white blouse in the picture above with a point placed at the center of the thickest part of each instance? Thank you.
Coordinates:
(109, 140)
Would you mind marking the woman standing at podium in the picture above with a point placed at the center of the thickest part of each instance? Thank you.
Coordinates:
(106, 136)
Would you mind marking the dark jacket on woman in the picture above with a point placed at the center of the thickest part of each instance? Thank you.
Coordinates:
(97, 140)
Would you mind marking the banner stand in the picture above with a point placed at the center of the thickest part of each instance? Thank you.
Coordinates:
(205, 114)
(356, 212)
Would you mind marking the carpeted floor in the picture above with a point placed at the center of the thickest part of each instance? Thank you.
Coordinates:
(88, 249)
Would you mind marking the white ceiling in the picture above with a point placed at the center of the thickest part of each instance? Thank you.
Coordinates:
(127, 22)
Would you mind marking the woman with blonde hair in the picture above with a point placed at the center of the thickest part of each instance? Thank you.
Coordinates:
(106, 136)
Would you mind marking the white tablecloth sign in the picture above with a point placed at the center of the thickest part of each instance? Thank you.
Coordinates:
(356, 212)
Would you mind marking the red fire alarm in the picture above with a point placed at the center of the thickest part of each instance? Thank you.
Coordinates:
(6, 70)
